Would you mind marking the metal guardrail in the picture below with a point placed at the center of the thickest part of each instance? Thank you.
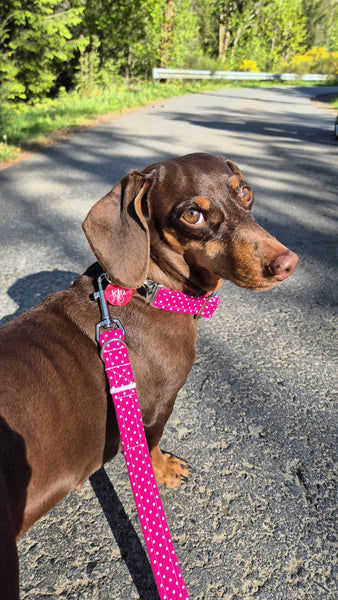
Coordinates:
(159, 73)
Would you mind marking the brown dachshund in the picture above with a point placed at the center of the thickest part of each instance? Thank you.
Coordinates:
(183, 223)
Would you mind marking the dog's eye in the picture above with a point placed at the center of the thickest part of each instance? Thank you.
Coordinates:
(245, 194)
(193, 217)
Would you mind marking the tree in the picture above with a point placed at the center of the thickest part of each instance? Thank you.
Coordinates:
(207, 19)
(10, 89)
(282, 29)
(129, 33)
(236, 20)
(179, 34)
(321, 23)
(245, 20)
(264, 30)
(227, 11)
(39, 41)
(166, 33)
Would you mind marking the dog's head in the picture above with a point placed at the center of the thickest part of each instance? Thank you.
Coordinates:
(185, 222)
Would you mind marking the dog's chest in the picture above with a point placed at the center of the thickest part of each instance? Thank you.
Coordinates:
(162, 353)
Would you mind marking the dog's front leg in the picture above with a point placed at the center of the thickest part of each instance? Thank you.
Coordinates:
(169, 470)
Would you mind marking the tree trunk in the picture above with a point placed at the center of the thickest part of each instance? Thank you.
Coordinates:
(224, 31)
(221, 38)
(168, 24)
(227, 38)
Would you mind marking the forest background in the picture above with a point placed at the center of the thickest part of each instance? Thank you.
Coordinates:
(99, 53)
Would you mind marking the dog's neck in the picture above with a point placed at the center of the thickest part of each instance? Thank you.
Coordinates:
(183, 279)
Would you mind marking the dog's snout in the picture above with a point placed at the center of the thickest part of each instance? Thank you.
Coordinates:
(283, 265)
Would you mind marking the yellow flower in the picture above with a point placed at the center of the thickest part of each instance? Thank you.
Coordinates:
(249, 65)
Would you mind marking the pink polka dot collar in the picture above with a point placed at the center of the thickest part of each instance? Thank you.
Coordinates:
(164, 299)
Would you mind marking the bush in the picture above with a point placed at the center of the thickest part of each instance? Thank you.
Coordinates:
(315, 60)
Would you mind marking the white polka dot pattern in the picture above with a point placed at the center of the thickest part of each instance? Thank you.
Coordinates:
(188, 304)
(155, 529)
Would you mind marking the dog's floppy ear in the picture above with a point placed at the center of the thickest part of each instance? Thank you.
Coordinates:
(117, 231)
(232, 166)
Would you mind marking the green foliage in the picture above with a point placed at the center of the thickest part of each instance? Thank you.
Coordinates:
(39, 42)
(129, 33)
(265, 31)
(207, 14)
(322, 23)
(89, 66)
(183, 34)
(83, 44)
(285, 34)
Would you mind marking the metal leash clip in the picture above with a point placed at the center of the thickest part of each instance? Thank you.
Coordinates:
(106, 322)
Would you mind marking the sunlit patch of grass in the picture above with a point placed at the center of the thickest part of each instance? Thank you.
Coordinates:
(334, 103)
(8, 151)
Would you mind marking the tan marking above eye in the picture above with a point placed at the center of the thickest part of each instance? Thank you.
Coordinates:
(234, 182)
(204, 203)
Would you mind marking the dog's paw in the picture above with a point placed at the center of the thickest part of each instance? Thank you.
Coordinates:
(169, 470)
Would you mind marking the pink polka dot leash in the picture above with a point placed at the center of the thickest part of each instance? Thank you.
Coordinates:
(167, 573)
(114, 352)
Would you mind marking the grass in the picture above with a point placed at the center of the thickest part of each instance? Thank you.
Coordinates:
(26, 127)
(334, 103)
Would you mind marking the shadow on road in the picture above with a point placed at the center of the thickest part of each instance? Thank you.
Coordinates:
(131, 549)
(29, 291)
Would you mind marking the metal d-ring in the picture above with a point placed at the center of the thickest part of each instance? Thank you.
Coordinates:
(117, 339)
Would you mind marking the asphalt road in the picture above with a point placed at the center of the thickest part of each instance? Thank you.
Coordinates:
(257, 418)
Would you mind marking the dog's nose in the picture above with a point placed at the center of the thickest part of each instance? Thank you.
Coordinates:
(282, 265)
